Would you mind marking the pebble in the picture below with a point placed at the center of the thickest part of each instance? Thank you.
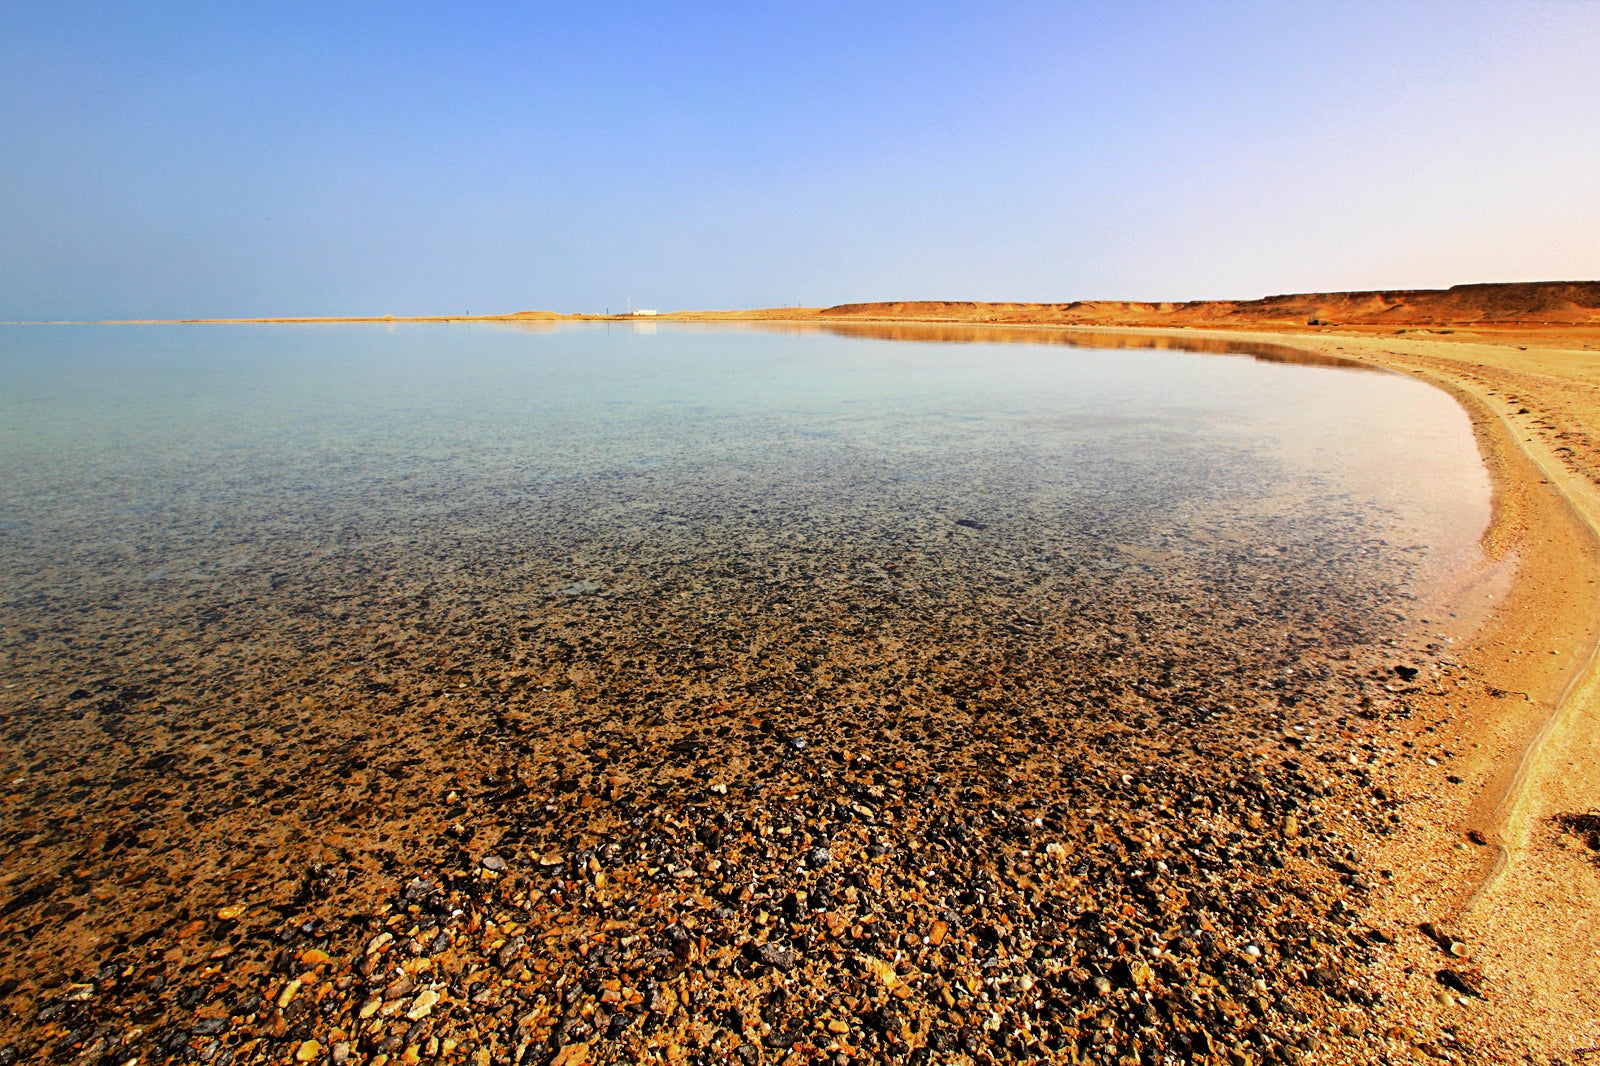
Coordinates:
(1042, 842)
(780, 958)
(423, 1005)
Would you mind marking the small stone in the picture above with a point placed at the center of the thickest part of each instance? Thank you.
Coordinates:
(423, 1005)
(231, 911)
(881, 970)
(1291, 827)
(663, 1001)
(818, 858)
(777, 956)
(309, 1051)
(508, 952)
(493, 863)
(678, 940)
(1132, 973)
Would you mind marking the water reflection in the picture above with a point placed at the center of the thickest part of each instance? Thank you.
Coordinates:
(956, 333)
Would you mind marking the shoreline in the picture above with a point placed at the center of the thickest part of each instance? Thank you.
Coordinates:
(1527, 701)
(1524, 918)
(1518, 904)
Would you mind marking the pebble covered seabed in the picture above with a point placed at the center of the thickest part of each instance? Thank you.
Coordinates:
(786, 759)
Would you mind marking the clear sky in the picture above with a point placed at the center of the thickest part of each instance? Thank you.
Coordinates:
(216, 159)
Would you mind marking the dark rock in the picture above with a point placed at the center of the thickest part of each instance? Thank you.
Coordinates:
(777, 957)
(678, 940)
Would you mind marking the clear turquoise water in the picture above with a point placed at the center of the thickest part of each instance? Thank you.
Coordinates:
(105, 430)
(272, 595)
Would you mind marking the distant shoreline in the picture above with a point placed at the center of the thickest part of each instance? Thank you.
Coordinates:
(1499, 304)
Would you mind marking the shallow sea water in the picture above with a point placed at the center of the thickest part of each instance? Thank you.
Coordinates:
(291, 614)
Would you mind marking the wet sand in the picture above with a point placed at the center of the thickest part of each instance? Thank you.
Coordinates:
(942, 870)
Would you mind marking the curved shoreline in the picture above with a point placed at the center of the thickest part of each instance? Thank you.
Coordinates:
(1525, 915)
(1484, 866)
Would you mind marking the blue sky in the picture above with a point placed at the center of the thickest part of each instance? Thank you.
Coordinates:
(235, 159)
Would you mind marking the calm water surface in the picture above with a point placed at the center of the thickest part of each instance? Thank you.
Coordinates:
(282, 608)
(185, 454)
